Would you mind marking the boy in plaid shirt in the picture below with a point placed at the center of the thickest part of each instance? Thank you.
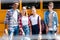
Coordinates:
(12, 21)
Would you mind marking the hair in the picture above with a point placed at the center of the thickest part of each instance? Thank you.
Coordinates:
(50, 3)
(26, 14)
(14, 3)
(33, 7)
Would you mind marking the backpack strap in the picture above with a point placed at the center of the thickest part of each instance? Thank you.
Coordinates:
(38, 23)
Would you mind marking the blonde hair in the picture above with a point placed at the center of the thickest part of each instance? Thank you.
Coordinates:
(26, 14)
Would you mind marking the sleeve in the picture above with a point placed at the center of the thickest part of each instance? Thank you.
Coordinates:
(7, 17)
(20, 25)
(29, 21)
(56, 19)
(45, 18)
(19, 22)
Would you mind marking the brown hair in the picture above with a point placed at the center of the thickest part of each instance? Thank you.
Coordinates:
(50, 3)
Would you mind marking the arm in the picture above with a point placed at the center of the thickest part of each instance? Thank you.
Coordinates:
(40, 25)
(20, 25)
(56, 18)
(45, 20)
(21, 30)
(30, 25)
(6, 22)
(6, 30)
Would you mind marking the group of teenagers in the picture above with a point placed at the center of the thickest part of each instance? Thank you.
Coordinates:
(20, 23)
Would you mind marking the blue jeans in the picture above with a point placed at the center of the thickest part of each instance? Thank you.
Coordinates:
(14, 30)
(26, 30)
(51, 34)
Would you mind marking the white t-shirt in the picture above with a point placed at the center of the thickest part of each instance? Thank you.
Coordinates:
(14, 19)
(34, 19)
(24, 20)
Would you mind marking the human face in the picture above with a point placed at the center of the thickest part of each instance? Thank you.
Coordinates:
(15, 5)
(50, 6)
(33, 10)
(24, 9)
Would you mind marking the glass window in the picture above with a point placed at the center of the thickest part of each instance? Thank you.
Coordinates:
(56, 4)
(7, 4)
(31, 3)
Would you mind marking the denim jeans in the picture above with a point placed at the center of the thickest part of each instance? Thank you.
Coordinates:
(26, 30)
(14, 30)
(51, 34)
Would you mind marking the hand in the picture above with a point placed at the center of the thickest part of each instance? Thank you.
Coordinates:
(40, 33)
(47, 29)
(6, 32)
(23, 33)
(30, 33)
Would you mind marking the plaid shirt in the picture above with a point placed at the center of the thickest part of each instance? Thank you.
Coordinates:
(9, 17)
(20, 23)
